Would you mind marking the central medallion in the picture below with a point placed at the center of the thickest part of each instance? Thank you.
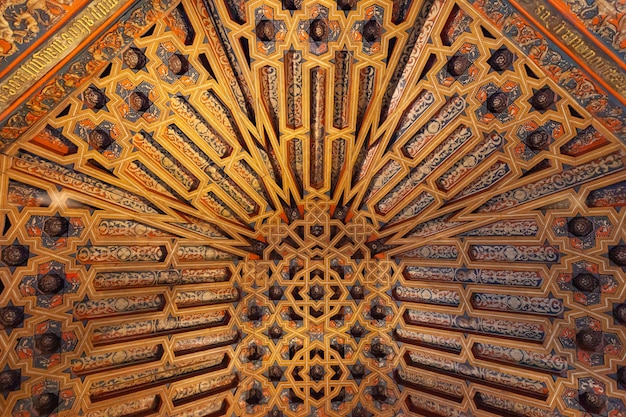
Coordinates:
(317, 323)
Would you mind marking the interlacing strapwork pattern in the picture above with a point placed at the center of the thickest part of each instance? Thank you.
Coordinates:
(325, 208)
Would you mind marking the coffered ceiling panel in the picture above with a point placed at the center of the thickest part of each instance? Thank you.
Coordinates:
(350, 208)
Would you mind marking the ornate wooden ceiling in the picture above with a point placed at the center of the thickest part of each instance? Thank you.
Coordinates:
(351, 208)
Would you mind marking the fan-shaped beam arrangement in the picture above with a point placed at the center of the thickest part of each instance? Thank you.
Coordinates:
(322, 208)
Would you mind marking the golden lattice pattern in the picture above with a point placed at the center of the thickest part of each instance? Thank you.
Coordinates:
(314, 209)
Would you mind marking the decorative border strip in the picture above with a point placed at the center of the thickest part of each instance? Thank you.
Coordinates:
(82, 68)
(555, 64)
(56, 49)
